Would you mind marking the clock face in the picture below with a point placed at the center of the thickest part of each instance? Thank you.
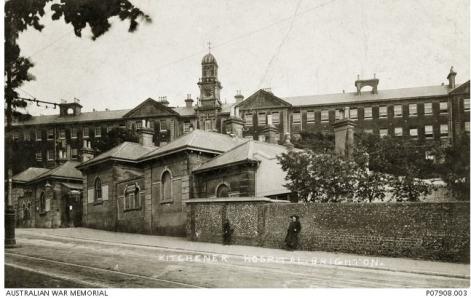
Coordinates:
(208, 92)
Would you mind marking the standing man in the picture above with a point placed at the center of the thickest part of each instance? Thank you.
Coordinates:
(294, 228)
(227, 232)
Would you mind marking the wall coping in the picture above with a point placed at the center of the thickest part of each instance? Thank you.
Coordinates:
(234, 199)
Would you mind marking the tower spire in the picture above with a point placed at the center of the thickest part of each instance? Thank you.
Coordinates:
(209, 46)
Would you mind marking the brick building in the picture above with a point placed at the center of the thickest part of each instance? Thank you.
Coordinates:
(439, 112)
(48, 198)
(142, 188)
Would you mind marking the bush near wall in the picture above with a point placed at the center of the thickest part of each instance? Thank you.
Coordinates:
(431, 231)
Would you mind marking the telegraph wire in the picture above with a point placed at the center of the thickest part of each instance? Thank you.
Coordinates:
(283, 20)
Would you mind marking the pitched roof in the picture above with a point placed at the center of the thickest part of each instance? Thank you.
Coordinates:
(248, 151)
(126, 151)
(28, 174)
(67, 170)
(184, 111)
(197, 140)
(83, 117)
(150, 107)
(403, 93)
(262, 98)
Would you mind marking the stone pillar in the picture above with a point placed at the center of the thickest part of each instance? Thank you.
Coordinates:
(234, 125)
(148, 199)
(271, 134)
(344, 130)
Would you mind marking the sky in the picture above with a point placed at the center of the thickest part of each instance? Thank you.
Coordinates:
(294, 47)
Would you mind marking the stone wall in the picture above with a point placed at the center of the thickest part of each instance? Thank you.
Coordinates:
(431, 231)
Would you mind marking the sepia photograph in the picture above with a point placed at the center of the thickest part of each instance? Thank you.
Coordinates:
(320, 145)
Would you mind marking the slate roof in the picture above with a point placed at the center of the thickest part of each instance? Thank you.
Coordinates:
(28, 174)
(197, 140)
(67, 170)
(403, 93)
(184, 111)
(83, 117)
(126, 151)
(248, 151)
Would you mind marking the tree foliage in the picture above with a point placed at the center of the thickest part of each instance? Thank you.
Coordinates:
(113, 138)
(454, 170)
(327, 178)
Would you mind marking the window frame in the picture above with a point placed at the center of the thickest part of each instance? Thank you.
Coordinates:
(297, 118)
(443, 111)
(164, 200)
(97, 190)
(415, 113)
(324, 113)
(97, 131)
(369, 115)
(398, 107)
(396, 129)
(383, 115)
(48, 135)
(277, 119)
(248, 118)
(430, 134)
(85, 130)
(382, 130)
(444, 133)
(262, 118)
(310, 116)
(428, 105)
(466, 105)
(73, 133)
(48, 156)
(354, 116)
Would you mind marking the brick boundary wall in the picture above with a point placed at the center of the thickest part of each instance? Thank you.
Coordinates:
(430, 231)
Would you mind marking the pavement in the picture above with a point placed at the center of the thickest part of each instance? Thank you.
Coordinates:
(258, 254)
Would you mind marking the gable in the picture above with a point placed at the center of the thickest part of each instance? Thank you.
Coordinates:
(262, 99)
(462, 89)
(148, 108)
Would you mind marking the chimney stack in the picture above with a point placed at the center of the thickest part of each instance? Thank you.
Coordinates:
(163, 100)
(234, 126)
(146, 134)
(87, 151)
(344, 130)
(451, 78)
(188, 101)
(239, 97)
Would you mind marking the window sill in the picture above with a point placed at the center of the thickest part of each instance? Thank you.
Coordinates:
(166, 202)
(100, 202)
(132, 209)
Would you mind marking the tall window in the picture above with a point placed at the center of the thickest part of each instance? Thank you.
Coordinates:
(85, 132)
(427, 109)
(62, 134)
(354, 114)
(222, 191)
(132, 199)
(324, 116)
(248, 119)
(383, 112)
(296, 118)
(262, 119)
(27, 135)
(275, 117)
(42, 202)
(412, 110)
(98, 189)
(443, 107)
(74, 153)
(166, 187)
(98, 131)
(397, 111)
(50, 134)
(428, 131)
(73, 133)
(368, 113)
(443, 130)
(50, 155)
(186, 127)
(311, 116)
(466, 104)
(38, 135)
(337, 114)
(39, 156)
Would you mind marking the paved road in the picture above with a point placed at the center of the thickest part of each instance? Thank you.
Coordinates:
(54, 261)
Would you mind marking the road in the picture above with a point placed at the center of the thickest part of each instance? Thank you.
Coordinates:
(55, 261)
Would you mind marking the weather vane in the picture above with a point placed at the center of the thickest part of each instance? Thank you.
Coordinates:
(209, 46)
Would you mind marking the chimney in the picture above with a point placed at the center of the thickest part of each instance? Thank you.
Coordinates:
(271, 132)
(451, 78)
(361, 83)
(87, 151)
(234, 126)
(146, 134)
(163, 100)
(239, 97)
(188, 101)
(344, 129)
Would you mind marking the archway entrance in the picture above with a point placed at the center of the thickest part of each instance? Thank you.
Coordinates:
(222, 191)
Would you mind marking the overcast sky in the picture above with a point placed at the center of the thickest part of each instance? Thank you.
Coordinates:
(295, 47)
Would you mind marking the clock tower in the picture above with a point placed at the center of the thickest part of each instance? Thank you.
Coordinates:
(209, 84)
(209, 103)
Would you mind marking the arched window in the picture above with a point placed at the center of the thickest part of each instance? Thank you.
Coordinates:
(98, 194)
(166, 187)
(42, 202)
(222, 191)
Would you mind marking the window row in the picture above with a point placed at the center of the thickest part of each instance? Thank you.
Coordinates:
(52, 134)
(62, 155)
(413, 132)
